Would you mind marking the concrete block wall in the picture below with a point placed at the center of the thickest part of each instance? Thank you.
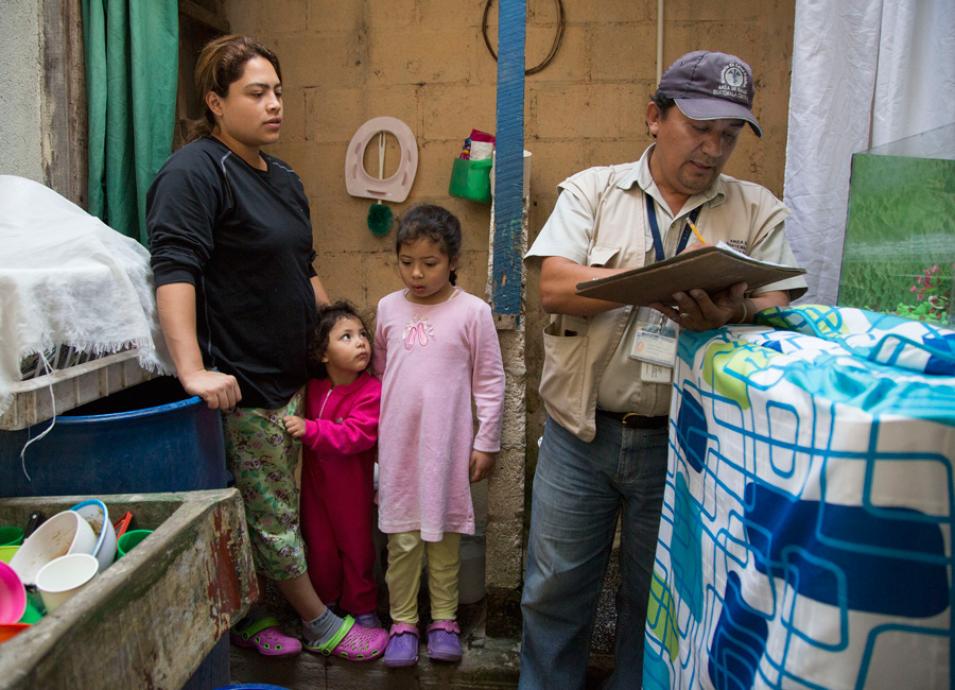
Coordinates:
(345, 62)
(425, 62)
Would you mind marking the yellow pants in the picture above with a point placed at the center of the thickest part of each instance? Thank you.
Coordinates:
(406, 552)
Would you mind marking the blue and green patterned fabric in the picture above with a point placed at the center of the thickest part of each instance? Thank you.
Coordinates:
(806, 532)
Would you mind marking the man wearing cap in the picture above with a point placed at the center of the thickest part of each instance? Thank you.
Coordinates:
(608, 367)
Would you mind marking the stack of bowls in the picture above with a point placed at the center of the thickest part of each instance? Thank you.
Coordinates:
(66, 532)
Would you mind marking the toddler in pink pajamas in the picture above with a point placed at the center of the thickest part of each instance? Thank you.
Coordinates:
(437, 351)
(339, 433)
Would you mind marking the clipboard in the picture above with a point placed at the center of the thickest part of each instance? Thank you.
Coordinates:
(711, 268)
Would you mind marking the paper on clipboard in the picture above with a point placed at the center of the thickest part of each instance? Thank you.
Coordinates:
(711, 268)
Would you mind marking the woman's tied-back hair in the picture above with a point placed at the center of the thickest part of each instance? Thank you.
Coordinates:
(221, 62)
(328, 316)
(436, 223)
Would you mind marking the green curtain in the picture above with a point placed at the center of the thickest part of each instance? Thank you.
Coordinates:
(132, 54)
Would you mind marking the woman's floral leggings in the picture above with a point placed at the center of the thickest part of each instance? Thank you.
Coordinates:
(262, 457)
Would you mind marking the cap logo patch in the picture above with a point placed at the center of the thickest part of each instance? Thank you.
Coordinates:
(732, 83)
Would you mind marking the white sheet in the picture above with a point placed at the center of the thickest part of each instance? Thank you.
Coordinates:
(865, 73)
(68, 279)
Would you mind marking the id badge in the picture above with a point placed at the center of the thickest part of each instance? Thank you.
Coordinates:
(654, 340)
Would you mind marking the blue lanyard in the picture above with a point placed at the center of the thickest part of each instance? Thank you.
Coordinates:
(655, 229)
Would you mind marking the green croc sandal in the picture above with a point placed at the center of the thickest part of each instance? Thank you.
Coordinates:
(352, 642)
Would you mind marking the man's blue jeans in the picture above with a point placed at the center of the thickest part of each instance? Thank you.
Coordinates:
(579, 491)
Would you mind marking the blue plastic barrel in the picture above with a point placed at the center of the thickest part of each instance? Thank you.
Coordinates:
(145, 439)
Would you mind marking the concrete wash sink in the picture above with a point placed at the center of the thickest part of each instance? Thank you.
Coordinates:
(154, 616)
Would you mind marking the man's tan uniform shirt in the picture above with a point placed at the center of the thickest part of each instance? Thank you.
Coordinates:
(600, 219)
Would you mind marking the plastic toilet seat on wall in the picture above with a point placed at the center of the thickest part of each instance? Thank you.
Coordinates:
(395, 188)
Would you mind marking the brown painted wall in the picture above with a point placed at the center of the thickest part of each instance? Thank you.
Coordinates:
(425, 62)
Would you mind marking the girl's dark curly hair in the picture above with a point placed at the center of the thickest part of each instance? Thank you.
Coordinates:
(328, 316)
(436, 223)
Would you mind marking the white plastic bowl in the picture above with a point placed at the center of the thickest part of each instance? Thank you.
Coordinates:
(63, 577)
(64, 533)
(95, 512)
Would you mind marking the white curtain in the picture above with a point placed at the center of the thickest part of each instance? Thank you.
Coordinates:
(865, 73)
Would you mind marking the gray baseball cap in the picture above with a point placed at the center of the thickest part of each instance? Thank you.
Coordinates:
(707, 85)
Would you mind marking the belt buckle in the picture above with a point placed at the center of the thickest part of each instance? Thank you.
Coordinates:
(625, 420)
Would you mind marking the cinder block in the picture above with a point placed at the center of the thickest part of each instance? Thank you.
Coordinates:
(323, 59)
(343, 226)
(389, 15)
(342, 275)
(571, 63)
(335, 15)
(583, 111)
(452, 17)
(623, 52)
(614, 11)
(244, 16)
(729, 11)
(472, 271)
(333, 114)
(323, 171)
(435, 159)
(293, 115)
(738, 37)
(544, 13)
(450, 112)
(628, 148)
(413, 56)
(554, 161)
(285, 16)
(397, 101)
(382, 276)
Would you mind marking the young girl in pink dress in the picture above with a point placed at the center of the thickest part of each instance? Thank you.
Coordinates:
(437, 351)
(339, 433)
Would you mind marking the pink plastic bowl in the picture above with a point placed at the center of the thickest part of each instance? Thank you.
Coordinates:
(13, 597)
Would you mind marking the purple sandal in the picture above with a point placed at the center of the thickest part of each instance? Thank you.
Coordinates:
(402, 647)
(444, 641)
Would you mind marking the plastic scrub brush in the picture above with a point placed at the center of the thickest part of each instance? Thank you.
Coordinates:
(379, 215)
(380, 219)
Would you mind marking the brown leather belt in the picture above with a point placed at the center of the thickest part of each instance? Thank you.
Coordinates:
(632, 420)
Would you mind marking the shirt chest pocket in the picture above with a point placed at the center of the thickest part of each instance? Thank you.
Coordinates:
(603, 255)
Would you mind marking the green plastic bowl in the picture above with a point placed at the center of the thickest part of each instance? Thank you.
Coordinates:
(10, 535)
(129, 540)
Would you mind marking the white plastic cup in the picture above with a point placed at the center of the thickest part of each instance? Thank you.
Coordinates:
(61, 578)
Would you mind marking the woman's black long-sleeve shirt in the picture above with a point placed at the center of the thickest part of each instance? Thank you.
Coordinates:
(243, 238)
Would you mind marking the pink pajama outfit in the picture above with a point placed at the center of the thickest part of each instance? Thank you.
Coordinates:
(434, 359)
(337, 491)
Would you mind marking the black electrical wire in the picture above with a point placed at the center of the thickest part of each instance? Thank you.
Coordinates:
(559, 4)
